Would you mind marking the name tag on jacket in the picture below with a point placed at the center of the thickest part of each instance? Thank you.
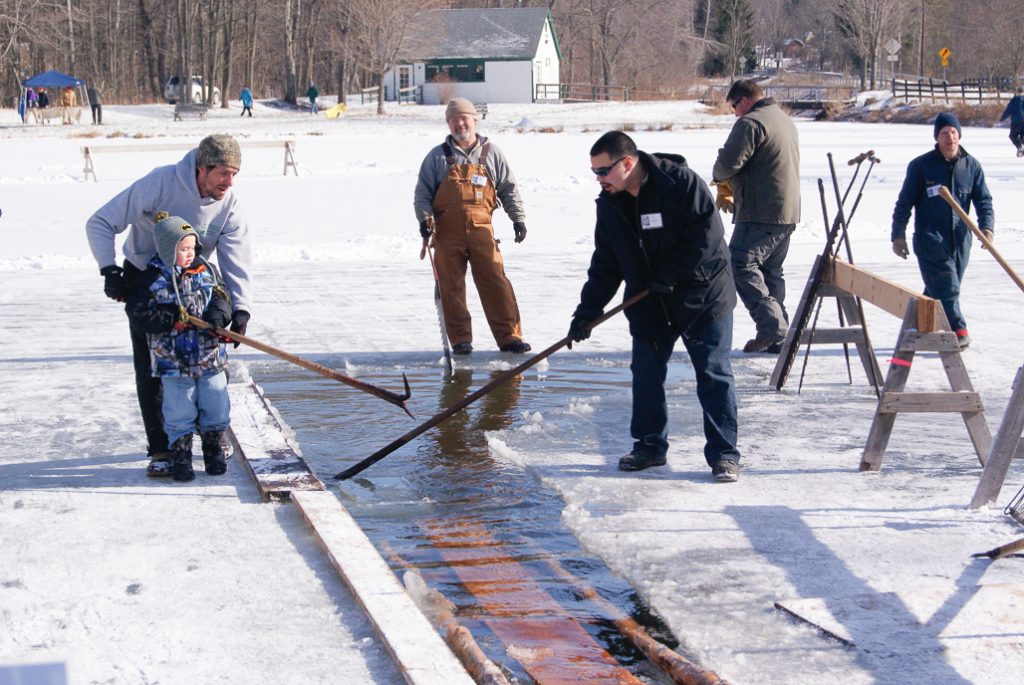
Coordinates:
(649, 221)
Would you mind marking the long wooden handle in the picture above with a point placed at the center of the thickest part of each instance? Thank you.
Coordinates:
(948, 197)
(386, 395)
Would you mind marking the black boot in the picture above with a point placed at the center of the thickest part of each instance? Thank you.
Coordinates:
(213, 453)
(181, 459)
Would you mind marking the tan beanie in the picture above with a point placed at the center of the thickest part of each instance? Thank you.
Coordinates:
(457, 106)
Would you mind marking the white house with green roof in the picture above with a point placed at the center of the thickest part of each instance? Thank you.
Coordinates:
(485, 55)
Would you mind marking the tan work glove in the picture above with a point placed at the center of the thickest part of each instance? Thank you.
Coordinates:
(900, 249)
(723, 196)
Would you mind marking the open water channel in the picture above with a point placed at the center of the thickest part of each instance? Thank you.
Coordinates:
(442, 504)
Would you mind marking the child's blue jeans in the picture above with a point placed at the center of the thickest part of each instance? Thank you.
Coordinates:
(191, 403)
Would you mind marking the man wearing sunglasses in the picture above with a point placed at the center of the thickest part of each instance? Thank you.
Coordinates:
(461, 182)
(761, 162)
(657, 228)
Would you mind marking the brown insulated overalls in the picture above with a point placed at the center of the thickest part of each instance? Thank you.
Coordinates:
(463, 233)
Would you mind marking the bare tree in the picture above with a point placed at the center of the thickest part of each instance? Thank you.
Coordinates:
(616, 25)
(381, 28)
(865, 24)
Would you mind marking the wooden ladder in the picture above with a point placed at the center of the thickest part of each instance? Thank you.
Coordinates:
(961, 397)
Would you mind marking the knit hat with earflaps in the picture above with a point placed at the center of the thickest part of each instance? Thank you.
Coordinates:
(168, 232)
(947, 119)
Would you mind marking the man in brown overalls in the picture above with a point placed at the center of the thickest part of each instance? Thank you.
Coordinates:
(461, 183)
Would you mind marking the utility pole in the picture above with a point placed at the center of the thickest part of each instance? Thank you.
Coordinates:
(920, 46)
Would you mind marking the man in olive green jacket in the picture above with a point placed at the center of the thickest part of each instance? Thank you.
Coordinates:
(760, 162)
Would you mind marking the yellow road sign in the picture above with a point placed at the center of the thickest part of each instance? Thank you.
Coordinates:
(944, 53)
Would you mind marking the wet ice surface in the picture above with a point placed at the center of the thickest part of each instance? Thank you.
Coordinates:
(443, 502)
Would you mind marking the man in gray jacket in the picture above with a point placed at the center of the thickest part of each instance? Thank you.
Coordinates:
(197, 189)
(760, 161)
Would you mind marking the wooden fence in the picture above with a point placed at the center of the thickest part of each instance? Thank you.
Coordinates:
(413, 94)
(940, 90)
(369, 94)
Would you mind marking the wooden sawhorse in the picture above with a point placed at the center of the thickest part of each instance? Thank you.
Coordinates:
(925, 329)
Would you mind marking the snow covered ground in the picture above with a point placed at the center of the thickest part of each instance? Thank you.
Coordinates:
(127, 580)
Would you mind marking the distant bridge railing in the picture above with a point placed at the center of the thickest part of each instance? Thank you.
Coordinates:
(794, 95)
(939, 89)
(581, 92)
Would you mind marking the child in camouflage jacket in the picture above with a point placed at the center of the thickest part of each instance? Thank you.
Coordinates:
(191, 361)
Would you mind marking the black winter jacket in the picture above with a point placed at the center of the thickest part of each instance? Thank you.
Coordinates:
(687, 251)
(934, 221)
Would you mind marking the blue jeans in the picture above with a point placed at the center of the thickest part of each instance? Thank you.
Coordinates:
(709, 348)
(191, 403)
(757, 253)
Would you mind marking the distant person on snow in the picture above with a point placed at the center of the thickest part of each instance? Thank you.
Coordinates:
(312, 93)
(760, 167)
(190, 361)
(68, 98)
(197, 189)
(246, 98)
(657, 228)
(95, 103)
(42, 98)
(1015, 111)
(942, 242)
(461, 182)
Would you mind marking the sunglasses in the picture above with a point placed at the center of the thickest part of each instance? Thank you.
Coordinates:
(603, 171)
(735, 103)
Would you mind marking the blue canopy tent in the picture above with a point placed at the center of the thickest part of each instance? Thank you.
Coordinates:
(58, 82)
(52, 79)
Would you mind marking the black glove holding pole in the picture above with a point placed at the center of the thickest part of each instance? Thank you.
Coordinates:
(579, 330)
(239, 322)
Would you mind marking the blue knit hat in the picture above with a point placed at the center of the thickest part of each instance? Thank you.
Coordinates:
(947, 119)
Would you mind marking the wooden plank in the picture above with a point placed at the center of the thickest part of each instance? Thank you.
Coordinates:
(892, 402)
(895, 381)
(418, 650)
(883, 293)
(833, 336)
(960, 381)
(170, 147)
(854, 310)
(1005, 445)
(538, 632)
(259, 434)
(939, 341)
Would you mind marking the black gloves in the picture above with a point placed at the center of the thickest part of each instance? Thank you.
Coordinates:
(218, 317)
(659, 288)
(426, 228)
(579, 330)
(113, 282)
(239, 322)
(520, 230)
